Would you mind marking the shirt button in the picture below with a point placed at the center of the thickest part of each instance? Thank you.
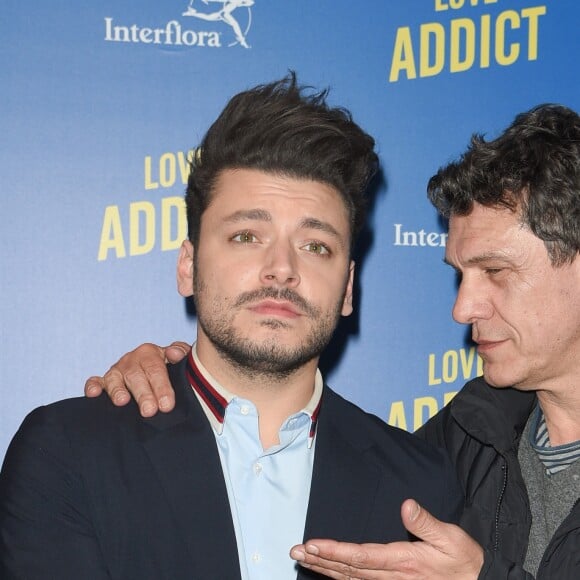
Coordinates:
(257, 468)
(244, 409)
(256, 557)
(576, 477)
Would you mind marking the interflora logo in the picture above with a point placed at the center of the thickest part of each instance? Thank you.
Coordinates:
(219, 23)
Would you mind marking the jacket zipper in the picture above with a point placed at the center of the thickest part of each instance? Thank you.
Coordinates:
(499, 502)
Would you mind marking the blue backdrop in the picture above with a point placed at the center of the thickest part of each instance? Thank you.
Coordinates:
(102, 101)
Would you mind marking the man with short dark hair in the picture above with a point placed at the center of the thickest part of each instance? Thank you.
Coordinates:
(257, 453)
(513, 206)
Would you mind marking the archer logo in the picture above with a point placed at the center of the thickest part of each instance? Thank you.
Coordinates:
(237, 14)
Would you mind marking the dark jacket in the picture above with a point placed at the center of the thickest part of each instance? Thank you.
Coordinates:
(481, 430)
(93, 491)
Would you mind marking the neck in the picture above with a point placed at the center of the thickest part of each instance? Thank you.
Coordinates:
(275, 395)
(562, 414)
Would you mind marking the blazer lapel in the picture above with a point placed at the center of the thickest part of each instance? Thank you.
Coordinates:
(182, 449)
(344, 481)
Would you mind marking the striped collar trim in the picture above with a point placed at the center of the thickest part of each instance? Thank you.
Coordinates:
(214, 398)
(554, 458)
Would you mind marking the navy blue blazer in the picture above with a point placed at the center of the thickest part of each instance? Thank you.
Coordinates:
(93, 491)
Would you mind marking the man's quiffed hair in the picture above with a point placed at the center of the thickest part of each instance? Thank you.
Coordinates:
(533, 167)
(286, 129)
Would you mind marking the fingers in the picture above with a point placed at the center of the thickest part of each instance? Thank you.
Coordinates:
(94, 386)
(143, 373)
(342, 561)
(114, 385)
(450, 549)
(176, 351)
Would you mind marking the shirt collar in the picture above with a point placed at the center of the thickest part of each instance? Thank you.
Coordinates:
(214, 398)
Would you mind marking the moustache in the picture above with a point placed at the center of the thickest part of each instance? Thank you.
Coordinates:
(285, 294)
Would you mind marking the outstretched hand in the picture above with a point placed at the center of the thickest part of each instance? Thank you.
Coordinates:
(141, 374)
(444, 552)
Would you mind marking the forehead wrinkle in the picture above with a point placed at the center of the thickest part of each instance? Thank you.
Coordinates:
(483, 258)
(249, 214)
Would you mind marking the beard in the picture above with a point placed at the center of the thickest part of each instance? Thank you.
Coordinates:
(268, 357)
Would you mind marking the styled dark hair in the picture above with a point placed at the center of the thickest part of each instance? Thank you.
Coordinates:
(286, 129)
(533, 167)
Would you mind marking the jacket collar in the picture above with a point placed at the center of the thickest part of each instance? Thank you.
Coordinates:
(493, 416)
(344, 472)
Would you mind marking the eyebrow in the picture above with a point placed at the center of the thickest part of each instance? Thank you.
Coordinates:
(481, 258)
(249, 214)
(308, 223)
(316, 224)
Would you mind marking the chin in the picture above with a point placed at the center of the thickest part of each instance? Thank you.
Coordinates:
(501, 381)
(497, 379)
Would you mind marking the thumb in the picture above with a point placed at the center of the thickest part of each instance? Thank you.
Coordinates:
(422, 524)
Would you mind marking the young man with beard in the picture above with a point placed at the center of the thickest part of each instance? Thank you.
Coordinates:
(257, 453)
(513, 205)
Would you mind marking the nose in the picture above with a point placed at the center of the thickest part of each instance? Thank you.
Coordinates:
(471, 303)
(280, 267)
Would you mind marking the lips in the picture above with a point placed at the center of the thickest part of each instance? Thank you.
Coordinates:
(275, 308)
(488, 345)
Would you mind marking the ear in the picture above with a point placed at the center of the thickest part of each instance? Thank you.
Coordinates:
(347, 302)
(185, 269)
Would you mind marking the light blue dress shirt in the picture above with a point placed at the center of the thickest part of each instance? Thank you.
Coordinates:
(268, 489)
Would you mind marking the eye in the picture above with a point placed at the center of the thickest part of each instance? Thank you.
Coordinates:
(493, 271)
(317, 248)
(244, 238)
